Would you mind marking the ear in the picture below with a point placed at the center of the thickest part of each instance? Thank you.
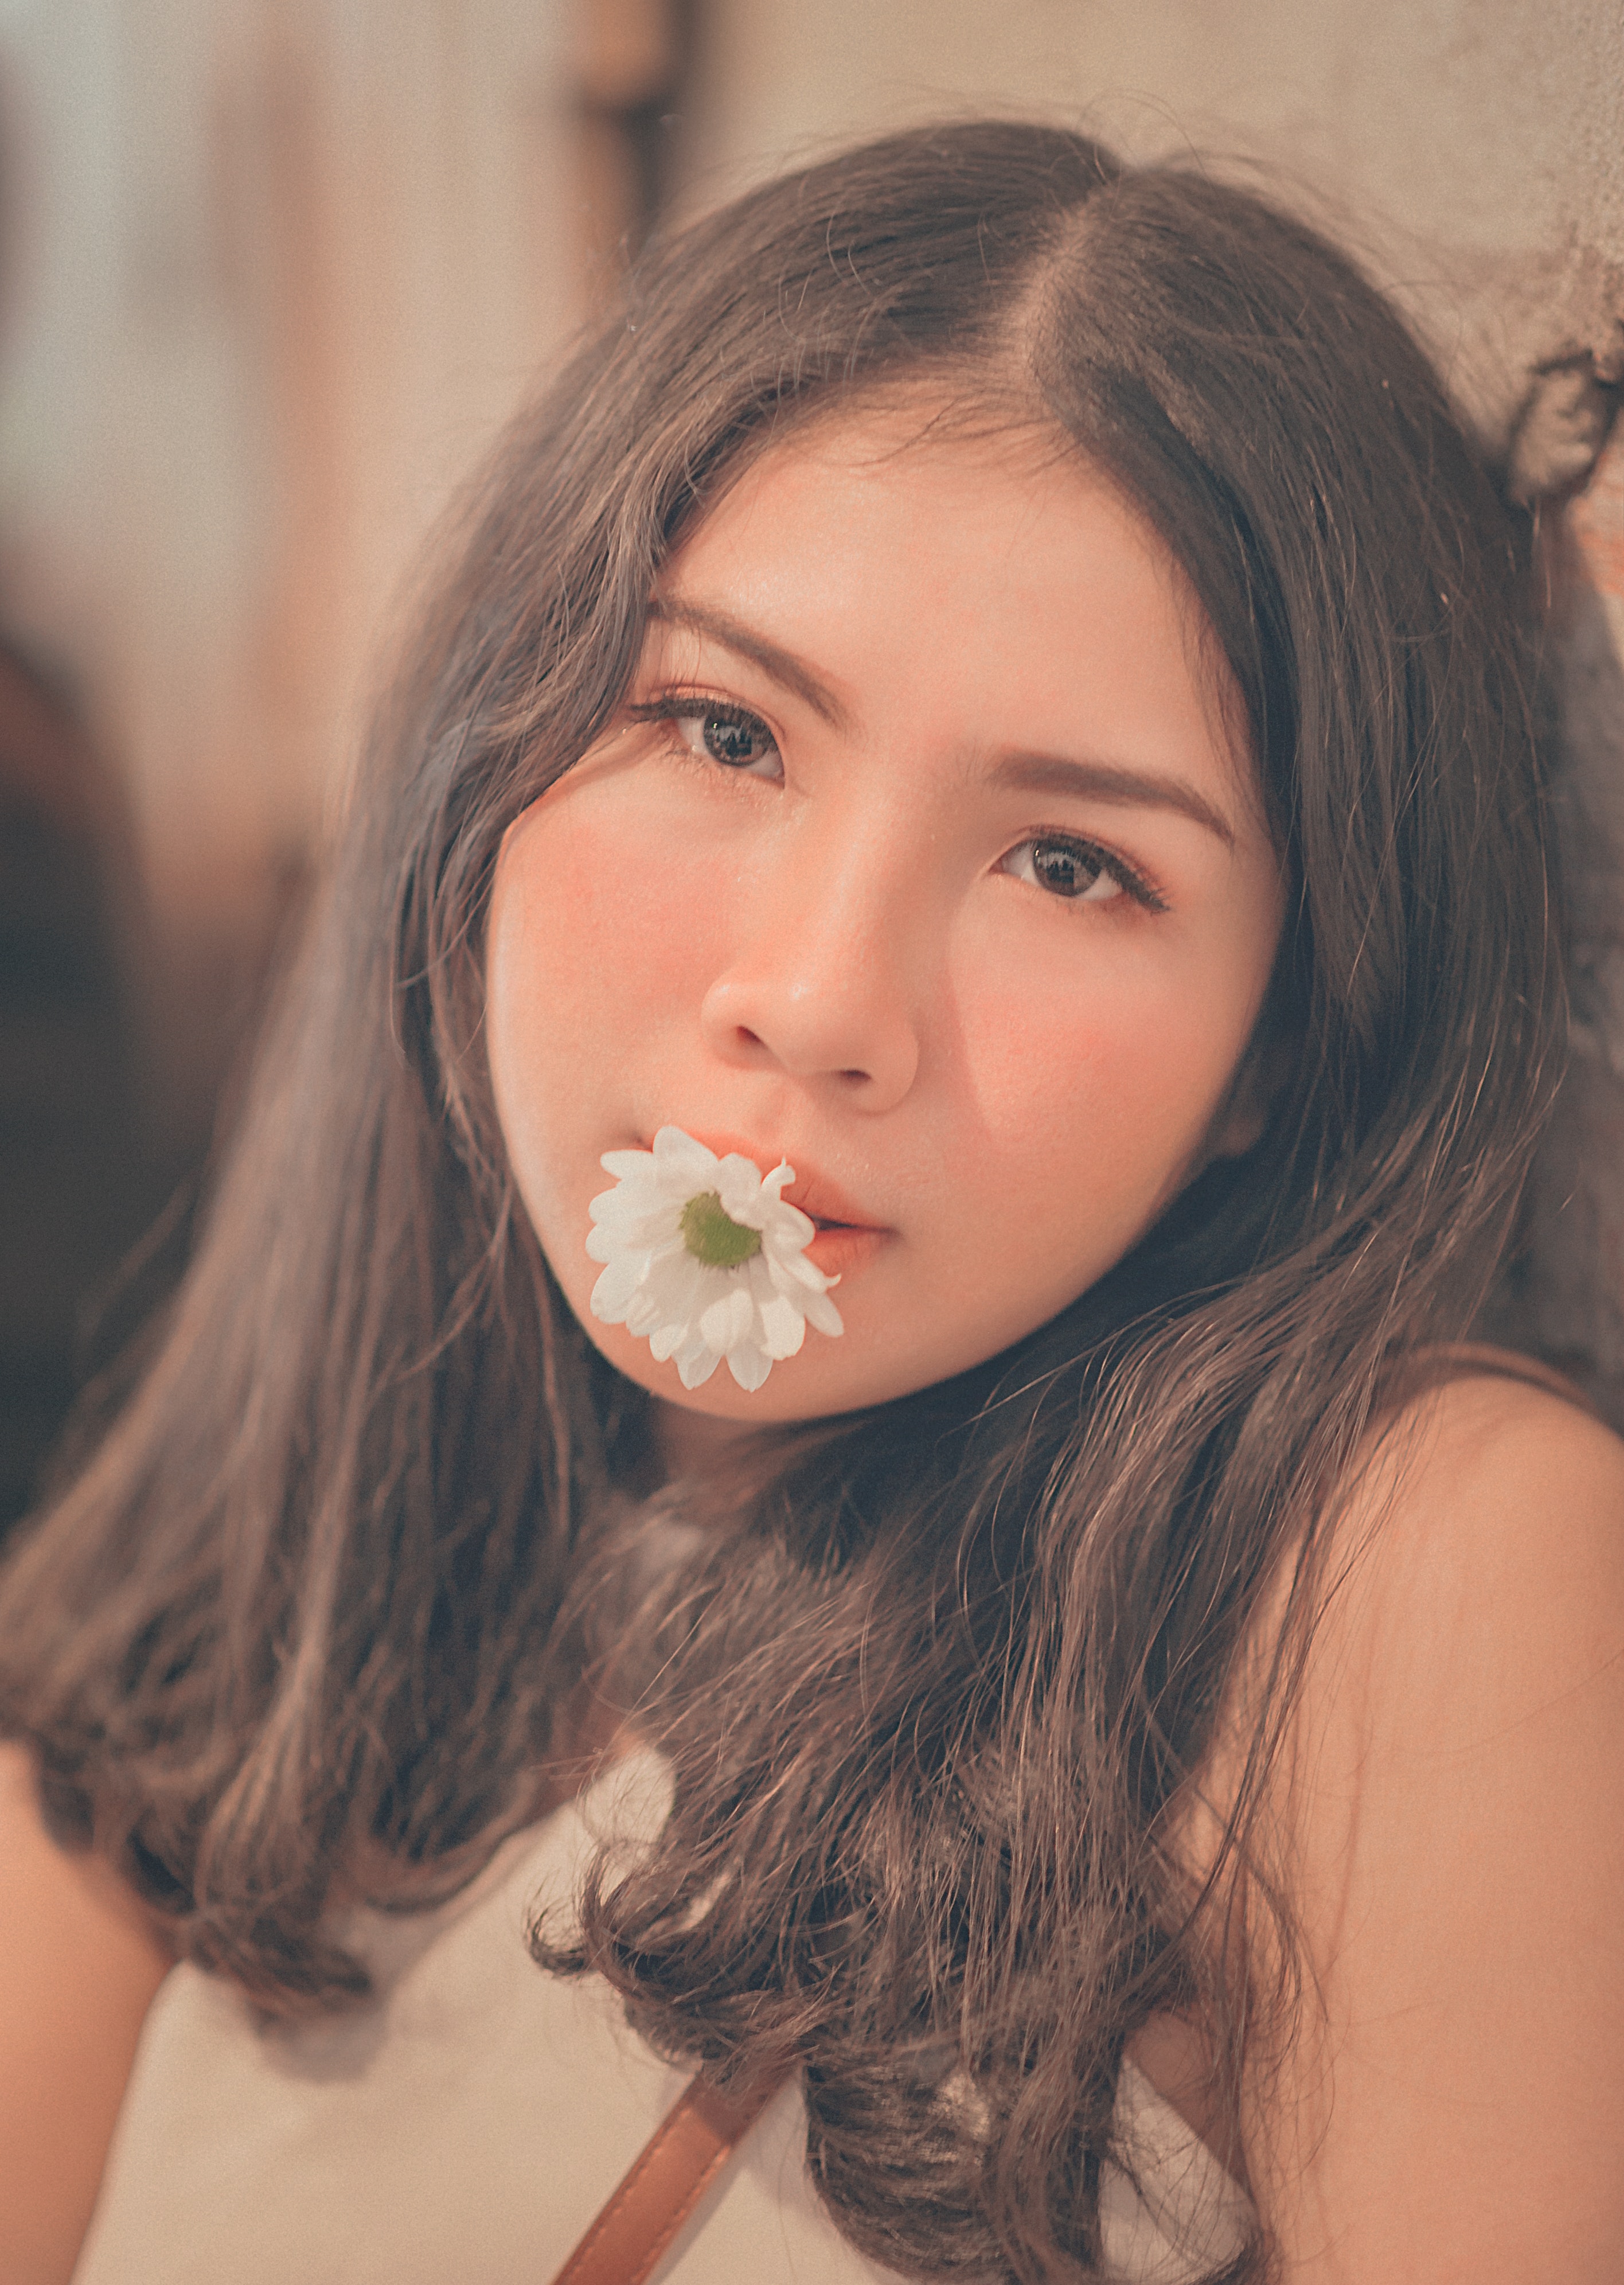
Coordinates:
(1259, 1083)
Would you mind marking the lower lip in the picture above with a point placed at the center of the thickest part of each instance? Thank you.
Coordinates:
(840, 1247)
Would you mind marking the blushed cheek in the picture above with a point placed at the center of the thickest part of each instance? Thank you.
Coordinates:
(599, 939)
(586, 917)
(662, 933)
(1119, 1095)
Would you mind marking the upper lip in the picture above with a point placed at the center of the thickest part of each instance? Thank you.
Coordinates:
(823, 1201)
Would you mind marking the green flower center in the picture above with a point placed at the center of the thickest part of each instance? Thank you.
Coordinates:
(713, 1236)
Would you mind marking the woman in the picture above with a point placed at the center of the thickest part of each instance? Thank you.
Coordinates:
(998, 682)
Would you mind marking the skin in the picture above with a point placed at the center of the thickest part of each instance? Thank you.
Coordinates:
(853, 962)
(843, 953)
(1447, 1821)
(79, 1964)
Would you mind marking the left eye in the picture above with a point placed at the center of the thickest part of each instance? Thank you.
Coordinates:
(1066, 868)
(731, 735)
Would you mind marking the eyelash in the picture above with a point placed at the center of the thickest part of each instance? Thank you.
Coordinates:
(1103, 860)
(694, 706)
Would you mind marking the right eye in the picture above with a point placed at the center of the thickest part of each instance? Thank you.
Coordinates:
(731, 735)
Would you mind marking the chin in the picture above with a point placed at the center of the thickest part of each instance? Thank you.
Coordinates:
(784, 1398)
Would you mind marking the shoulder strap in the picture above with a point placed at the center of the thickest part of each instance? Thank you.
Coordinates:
(663, 2184)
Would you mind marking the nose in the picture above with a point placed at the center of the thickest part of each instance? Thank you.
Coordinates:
(822, 981)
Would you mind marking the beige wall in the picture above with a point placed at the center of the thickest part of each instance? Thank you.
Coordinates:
(1492, 122)
(284, 264)
(277, 268)
(1471, 148)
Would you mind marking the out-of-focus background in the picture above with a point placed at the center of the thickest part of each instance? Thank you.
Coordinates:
(272, 272)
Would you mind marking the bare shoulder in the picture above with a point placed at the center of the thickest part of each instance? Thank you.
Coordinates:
(1453, 1805)
(79, 1964)
(1486, 1437)
(1488, 1517)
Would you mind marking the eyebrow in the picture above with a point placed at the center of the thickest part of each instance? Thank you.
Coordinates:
(1109, 782)
(784, 668)
(1023, 772)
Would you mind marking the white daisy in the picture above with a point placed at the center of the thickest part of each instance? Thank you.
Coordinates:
(705, 1259)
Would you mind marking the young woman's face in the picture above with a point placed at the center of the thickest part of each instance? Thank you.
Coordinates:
(920, 857)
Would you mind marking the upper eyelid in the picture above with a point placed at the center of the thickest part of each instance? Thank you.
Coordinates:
(1139, 884)
(665, 704)
(695, 705)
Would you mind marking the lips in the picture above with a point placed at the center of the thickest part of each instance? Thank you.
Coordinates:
(827, 1207)
(846, 1234)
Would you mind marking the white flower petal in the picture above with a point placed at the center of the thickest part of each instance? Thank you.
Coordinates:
(630, 1212)
(691, 1312)
(635, 1234)
(728, 1319)
(791, 1269)
(682, 1166)
(626, 1166)
(646, 1315)
(686, 1286)
(790, 1230)
(638, 1212)
(803, 1285)
(821, 1311)
(792, 1275)
(738, 1185)
(676, 1291)
(696, 1361)
(659, 1238)
(757, 1273)
(616, 1287)
(783, 1328)
(748, 1366)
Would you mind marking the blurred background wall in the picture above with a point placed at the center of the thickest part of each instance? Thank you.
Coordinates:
(272, 272)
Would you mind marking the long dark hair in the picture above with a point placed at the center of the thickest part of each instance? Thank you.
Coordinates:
(310, 1618)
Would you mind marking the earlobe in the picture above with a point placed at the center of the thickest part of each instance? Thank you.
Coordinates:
(1240, 1126)
(1257, 1085)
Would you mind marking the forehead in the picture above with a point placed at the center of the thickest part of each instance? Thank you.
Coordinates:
(943, 454)
(986, 541)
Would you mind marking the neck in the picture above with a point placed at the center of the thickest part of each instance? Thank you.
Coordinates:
(692, 1445)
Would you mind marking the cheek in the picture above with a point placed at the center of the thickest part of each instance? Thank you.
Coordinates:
(638, 900)
(1114, 1073)
(597, 941)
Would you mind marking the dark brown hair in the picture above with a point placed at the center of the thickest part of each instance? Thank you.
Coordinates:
(307, 1619)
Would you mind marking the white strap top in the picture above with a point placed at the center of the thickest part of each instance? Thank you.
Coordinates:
(469, 2122)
